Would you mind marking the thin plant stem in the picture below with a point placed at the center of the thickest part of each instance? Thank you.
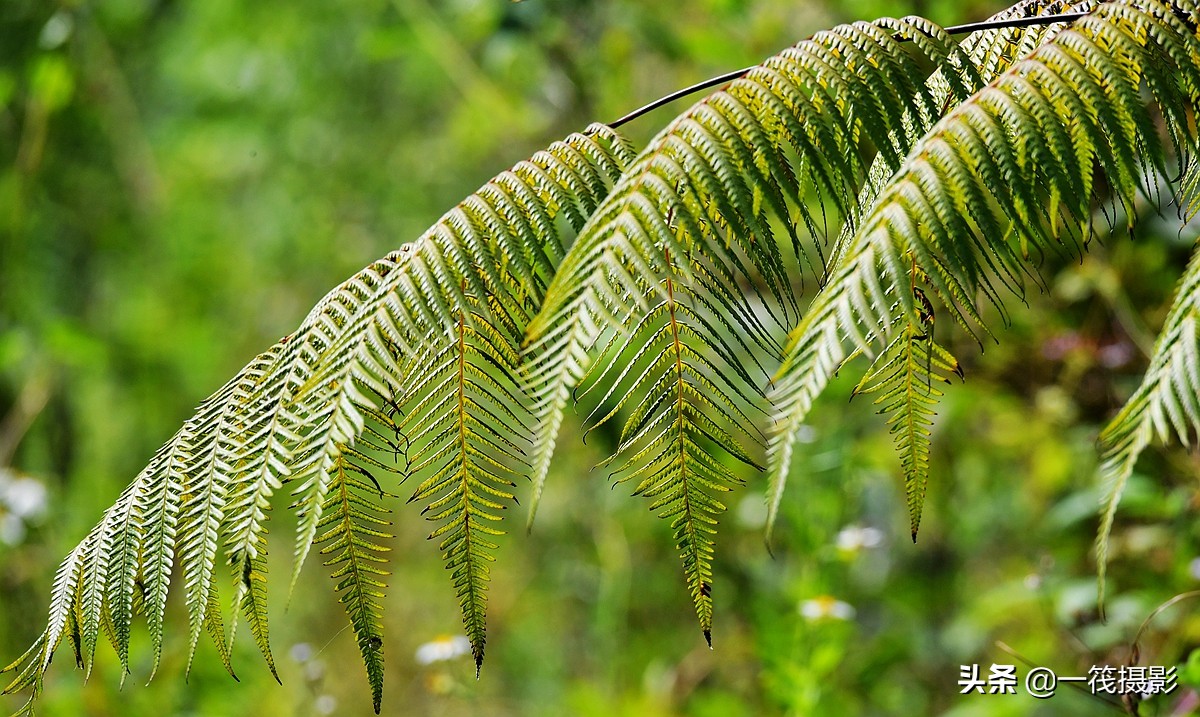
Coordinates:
(954, 30)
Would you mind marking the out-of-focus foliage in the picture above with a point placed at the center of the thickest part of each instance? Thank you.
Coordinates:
(180, 181)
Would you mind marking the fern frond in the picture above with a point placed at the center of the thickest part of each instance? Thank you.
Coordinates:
(968, 205)
(668, 306)
(710, 187)
(1166, 402)
(157, 510)
(251, 599)
(250, 479)
(296, 414)
(691, 408)
(907, 376)
(986, 54)
(203, 510)
(125, 562)
(465, 435)
(297, 411)
(352, 533)
(330, 406)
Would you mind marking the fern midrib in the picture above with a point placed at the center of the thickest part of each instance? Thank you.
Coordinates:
(692, 545)
(352, 553)
(215, 490)
(910, 408)
(472, 594)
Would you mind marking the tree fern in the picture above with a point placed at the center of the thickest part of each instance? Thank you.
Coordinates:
(903, 174)
(973, 204)
(691, 222)
(757, 150)
(988, 54)
(466, 436)
(295, 413)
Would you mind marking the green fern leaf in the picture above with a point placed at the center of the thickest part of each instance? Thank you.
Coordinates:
(689, 226)
(254, 476)
(251, 598)
(297, 412)
(907, 375)
(979, 59)
(158, 509)
(203, 509)
(123, 549)
(330, 405)
(1166, 402)
(668, 306)
(692, 406)
(352, 531)
(463, 431)
(965, 198)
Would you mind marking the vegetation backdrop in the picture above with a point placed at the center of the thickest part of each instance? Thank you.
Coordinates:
(181, 181)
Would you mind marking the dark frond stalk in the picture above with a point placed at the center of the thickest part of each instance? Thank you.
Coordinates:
(735, 74)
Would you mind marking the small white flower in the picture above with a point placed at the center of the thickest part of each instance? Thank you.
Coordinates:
(22, 501)
(826, 607)
(443, 648)
(325, 704)
(854, 538)
(23, 497)
(301, 652)
(12, 530)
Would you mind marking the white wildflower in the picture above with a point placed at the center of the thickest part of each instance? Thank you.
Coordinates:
(12, 530)
(21, 496)
(22, 501)
(826, 607)
(443, 648)
(854, 538)
(301, 652)
(325, 704)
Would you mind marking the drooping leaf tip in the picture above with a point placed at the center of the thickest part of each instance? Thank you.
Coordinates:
(770, 548)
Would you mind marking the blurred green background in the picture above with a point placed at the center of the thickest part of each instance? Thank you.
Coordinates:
(180, 181)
